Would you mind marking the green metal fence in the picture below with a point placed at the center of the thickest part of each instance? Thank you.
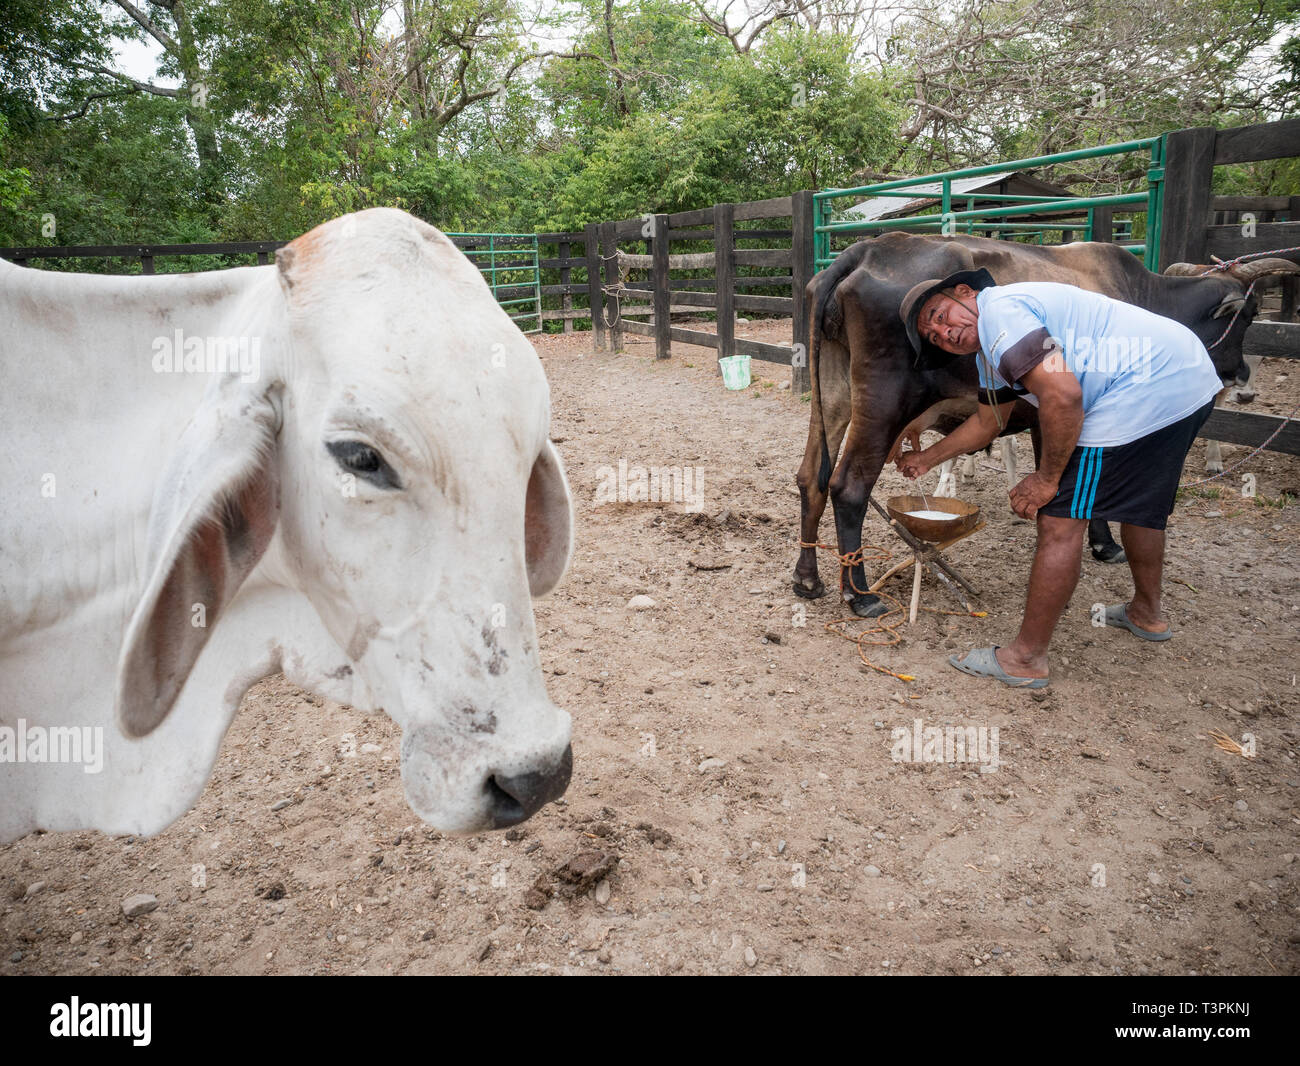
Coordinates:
(949, 222)
(510, 263)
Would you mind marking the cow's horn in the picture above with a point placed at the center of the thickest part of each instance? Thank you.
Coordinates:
(1263, 268)
(1185, 270)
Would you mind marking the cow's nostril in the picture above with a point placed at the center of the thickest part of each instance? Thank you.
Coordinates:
(512, 799)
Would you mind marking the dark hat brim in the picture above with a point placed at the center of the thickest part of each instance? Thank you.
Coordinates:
(910, 309)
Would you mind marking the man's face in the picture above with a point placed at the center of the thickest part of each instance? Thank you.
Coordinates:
(949, 324)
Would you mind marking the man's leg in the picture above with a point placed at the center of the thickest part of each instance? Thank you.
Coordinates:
(1145, 549)
(1051, 584)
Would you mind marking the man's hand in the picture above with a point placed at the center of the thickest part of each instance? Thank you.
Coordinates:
(1033, 492)
(914, 464)
(911, 437)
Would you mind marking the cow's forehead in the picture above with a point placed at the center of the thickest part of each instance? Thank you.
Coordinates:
(450, 382)
(389, 318)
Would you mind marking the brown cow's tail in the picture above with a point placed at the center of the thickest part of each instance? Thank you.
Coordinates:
(825, 284)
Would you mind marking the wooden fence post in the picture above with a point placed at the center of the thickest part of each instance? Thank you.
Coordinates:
(1290, 285)
(566, 277)
(591, 241)
(661, 285)
(609, 252)
(1103, 224)
(1185, 211)
(724, 268)
(802, 270)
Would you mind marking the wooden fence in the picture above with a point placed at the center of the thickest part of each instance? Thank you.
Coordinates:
(1196, 226)
(725, 293)
(563, 262)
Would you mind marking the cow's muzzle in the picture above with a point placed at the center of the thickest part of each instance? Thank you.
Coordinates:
(511, 800)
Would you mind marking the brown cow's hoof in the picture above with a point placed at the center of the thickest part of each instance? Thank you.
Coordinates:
(1109, 553)
(809, 588)
(869, 606)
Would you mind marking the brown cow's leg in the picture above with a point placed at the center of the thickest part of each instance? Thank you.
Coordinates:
(851, 485)
(884, 396)
(892, 404)
(833, 404)
(812, 505)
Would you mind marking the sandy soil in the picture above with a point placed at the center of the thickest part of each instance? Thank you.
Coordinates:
(735, 806)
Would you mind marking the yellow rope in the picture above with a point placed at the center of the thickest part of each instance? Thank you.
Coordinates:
(887, 629)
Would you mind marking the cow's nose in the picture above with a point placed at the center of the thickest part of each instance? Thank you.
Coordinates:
(514, 799)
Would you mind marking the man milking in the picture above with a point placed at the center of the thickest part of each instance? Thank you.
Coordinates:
(1121, 394)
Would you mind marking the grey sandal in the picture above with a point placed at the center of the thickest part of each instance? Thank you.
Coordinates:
(1117, 616)
(983, 662)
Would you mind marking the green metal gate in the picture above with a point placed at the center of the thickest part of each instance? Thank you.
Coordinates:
(510, 263)
(949, 221)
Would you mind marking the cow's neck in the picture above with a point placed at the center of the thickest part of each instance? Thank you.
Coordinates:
(91, 420)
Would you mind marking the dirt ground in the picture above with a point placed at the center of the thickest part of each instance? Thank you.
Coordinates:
(735, 806)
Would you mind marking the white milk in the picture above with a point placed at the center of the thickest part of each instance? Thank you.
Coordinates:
(933, 516)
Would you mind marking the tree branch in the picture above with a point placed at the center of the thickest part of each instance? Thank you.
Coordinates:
(156, 32)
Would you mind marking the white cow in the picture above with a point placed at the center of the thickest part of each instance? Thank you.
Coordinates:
(365, 502)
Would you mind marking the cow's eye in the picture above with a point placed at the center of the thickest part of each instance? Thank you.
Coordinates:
(363, 461)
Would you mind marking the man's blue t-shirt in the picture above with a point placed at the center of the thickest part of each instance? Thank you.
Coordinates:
(1139, 371)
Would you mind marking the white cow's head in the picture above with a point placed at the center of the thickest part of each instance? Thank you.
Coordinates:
(392, 465)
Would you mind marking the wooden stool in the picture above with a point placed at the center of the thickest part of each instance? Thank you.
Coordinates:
(926, 555)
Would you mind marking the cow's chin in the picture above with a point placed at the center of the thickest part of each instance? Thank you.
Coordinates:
(455, 784)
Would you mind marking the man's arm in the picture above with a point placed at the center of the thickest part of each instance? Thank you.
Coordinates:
(977, 432)
(1060, 416)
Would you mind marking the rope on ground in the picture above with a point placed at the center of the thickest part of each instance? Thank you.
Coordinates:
(885, 625)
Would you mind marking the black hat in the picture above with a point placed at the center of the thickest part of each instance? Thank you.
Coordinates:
(917, 295)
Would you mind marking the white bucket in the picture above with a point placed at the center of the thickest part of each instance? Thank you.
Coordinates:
(735, 371)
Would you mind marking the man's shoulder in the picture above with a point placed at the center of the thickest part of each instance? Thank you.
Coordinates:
(1041, 291)
(1018, 295)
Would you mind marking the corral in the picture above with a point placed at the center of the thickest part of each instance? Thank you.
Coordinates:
(747, 796)
(733, 767)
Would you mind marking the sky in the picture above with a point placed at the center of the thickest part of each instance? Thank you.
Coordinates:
(139, 59)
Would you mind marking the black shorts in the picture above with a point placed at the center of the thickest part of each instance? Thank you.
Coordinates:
(1134, 483)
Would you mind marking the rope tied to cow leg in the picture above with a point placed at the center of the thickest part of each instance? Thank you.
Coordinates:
(885, 625)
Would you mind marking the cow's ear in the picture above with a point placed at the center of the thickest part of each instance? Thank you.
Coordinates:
(214, 512)
(548, 522)
(1229, 305)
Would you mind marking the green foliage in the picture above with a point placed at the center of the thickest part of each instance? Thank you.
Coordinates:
(794, 116)
(317, 107)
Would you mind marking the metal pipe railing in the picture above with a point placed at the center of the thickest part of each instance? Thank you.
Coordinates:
(1028, 204)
